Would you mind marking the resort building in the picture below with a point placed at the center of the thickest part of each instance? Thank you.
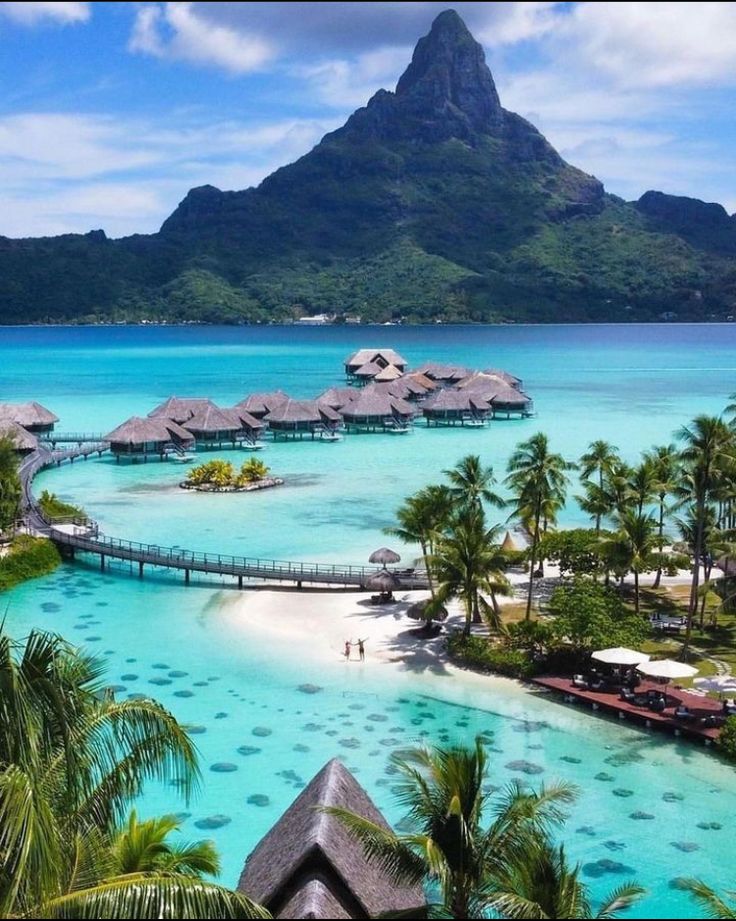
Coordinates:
(366, 364)
(297, 418)
(143, 438)
(180, 409)
(444, 375)
(376, 410)
(309, 866)
(32, 416)
(505, 400)
(252, 428)
(455, 407)
(24, 442)
(260, 404)
(212, 427)
(337, 397)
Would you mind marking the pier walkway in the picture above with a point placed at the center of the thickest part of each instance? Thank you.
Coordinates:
(82, 536)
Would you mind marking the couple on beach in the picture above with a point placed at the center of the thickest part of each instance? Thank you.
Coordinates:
(361, 649)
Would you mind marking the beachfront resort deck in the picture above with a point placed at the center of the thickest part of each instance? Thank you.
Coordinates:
(685, 714)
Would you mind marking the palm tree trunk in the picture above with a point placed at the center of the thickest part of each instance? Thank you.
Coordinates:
(425, 556)
(532, 561)
(636, 590)
(658, 577)
(706, 579)
(693, 602)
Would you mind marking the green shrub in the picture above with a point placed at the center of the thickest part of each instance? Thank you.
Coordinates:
(727, 738)
(53, 507)
(478, 653)
(588, 616)
(29, 558)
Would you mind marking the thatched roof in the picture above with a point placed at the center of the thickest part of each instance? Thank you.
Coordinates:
(454, 401)
(137, 430)
(437, 371)
(29, 415)
(258, 404)
(382, 581)
(180, 409)
(309, 862)
(246, 420)
(386, 356)
(369, 369)
(494, 390)
(376, 402)
(504, 375)
(419, 378)
(302, 411)
(21, 438)
(389, 373)
(384, 555)
(509, 544)
(337, 397)
(209, 419)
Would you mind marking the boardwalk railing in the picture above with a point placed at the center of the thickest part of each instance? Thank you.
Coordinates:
(83, 536)
(71, 437)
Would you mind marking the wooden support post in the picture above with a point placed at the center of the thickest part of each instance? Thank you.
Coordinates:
(186, 577)
(299, 585)
(102, 562)
(240, 581)
(140, 569)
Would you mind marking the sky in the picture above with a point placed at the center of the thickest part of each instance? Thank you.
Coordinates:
(111, 112)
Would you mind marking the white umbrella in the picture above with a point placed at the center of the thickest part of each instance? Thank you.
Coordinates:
(667, 668)
(620, 655)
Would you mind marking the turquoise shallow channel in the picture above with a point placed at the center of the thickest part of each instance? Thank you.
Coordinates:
(649, 807)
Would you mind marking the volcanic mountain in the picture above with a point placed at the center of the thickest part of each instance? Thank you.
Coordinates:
(432, 202)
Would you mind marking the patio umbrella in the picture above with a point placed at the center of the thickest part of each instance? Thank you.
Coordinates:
(666, 669)
(620, 655)
(383, 555)
(383, 581)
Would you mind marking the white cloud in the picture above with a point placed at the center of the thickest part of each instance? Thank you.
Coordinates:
(29, 14)
(347, 84)
(177, 31)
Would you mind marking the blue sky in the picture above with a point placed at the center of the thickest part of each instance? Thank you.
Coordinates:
(110, 112)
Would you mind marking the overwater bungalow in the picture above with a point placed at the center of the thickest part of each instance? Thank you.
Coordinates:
(381, 357)
(214, 427)
(300, 418)
(32, 416)
(337, 397)
(24, 442)
(252, 428)
(180, 409)
(510, 379)
(504, 399)
(377, 410)
(389, 373)
(144, 438)
(444, 375)
(455, 407)
(421, 379)
(406, 387)
(260, 404)
(310, 866)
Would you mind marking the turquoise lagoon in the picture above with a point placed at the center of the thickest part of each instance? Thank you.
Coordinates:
(648, 807)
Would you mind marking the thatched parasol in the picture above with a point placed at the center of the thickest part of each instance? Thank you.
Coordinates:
(383, 581)
(383, 555)
(509, 544)
(418, 611)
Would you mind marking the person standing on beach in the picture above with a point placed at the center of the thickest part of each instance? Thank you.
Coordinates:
(361, 649)
(348, 646)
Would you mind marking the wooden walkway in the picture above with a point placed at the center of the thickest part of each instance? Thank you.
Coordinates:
(83, 537)
(608, 701)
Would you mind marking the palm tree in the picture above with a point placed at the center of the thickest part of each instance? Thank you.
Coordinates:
(538, 480)
(144, 847)
(252, 470)
(71, 761)
(469, 566)
(708, 899)
(450, 843)
(420, 520)
(708, 445)
(471, 483)
(633, 545)
(642, 485)
(665, 460)
(544, 885)
(10, 488)
(599, 460)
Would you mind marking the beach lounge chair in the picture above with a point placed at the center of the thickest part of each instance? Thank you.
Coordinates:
(657, 705)
(683, 712)
(580, 681)
(628, 696)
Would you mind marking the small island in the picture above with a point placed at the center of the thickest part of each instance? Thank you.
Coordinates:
(221, 476)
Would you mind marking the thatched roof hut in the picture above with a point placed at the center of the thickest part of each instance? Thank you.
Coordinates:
(382, 357)
(384, 555)
(259, 404)
(139, 436)
(421, 379)
(505, 376)
(443, 373)
(180, 409)
(24, 441)
(309, 866)
(452, 406)
(247, 422)
(337, 397)
(210, 423)
(389, 373)
(302, 416)
(509, 544)
(375, 409)
(32, 416)
(501, 395)
(383, 581)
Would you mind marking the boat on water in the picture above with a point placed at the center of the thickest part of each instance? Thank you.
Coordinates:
(475, 424)
(330, 436)
(182, 458)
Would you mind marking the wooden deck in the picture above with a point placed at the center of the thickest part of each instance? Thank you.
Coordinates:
(609, 702)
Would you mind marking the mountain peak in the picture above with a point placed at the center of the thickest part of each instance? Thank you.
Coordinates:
(448, 76)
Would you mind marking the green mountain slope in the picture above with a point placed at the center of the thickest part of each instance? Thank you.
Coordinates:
(432, 202)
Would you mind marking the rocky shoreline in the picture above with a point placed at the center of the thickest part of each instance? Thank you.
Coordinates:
(265, 483)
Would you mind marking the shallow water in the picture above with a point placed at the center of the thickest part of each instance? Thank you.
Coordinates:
(647, 805)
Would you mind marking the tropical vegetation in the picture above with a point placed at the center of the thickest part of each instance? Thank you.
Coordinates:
(10, 487)
(72, 760)
(222, 474)
(26, 558)
(481, 854)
